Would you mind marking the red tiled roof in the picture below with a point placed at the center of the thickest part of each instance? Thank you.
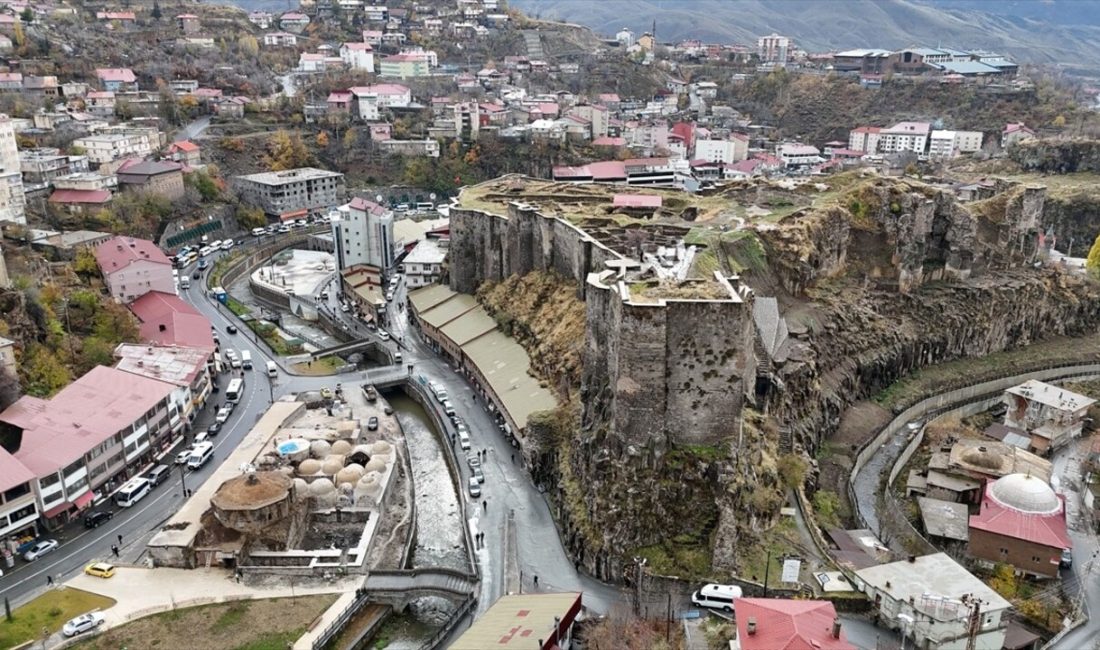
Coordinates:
(783, 624)
(1048, 530)
(363, 205)
(636, 201)
(168, 320)
(866, 129)
(119, 252)
(380, 89)
(609, 141)
(84, 414)
(645, 162)
(121, 75)
(365, 47)
(184, 145)
(80, 196)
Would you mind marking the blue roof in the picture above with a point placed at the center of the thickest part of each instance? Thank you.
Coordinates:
(967, 67)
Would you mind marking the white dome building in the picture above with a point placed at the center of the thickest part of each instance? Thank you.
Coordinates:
(1025, 493)
(1021, 522)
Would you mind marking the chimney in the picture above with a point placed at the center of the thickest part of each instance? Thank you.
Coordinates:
(836, 628)
(912, 559)
(162, 327)
(750, 627)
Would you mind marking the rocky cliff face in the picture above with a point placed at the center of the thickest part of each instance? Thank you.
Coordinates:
(1057, 156)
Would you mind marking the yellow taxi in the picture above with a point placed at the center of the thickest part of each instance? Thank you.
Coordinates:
(100, 570)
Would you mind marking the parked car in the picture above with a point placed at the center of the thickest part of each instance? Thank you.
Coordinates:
(95, 519)
(82, 623)
(473, 461)
(372, 424)
(1066, 561)
(384, 335)
(223, 414)
(40, 548)
(100, 570)
(231, 329)
(478, 474)
(326, 393)
(475, 487)
(158, 475)
(214, 428)
(200, 437)
(181, 457)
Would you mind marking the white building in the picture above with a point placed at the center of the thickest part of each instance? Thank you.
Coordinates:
(905, 136)
(799, 155)
(107, 147)
(369, 99)
(358, 56)
(12, 200)
(733, 150)
(949, 144)
(773, 49)
(932, 599)
(625, 37)
(424, 264)
(362, 232)
(864, 138)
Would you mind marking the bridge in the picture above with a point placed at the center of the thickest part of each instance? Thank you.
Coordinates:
(398, 587)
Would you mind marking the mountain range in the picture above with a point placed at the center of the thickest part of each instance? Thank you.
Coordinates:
(1065, 32)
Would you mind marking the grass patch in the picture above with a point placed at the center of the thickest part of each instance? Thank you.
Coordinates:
(270, 334)
(683, 556)
(253, 625)
(320, 367)
(780, 540)
(237, 307)
(51, 610)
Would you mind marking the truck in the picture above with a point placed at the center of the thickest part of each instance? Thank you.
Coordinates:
(246, 359)
(370, 392)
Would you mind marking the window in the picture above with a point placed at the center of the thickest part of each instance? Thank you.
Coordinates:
(22, 513)
(1035, 559)
(16, 492)
(47, 481)
(74, 468)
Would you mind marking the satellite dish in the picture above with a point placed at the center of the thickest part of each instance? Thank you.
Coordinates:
(432, 196)
(378, 198)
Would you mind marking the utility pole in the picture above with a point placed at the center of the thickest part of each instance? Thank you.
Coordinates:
(975, 624)
(183, 481)
(767, 568)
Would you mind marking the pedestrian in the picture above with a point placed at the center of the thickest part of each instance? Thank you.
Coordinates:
(485, 505)
(536, 582)
(513, 459)
(49, 580)
(120, 540)
(114, 549)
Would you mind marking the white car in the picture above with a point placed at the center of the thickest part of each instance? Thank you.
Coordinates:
(82, 623)
(384, 335)
(223, 414)
(181, 457)
(40, 548)
(475, 487)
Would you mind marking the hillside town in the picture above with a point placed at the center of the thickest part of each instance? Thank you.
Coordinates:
(438, 324)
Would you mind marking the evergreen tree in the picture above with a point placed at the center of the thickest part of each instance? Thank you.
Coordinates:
(156, 14)
(1092, 263)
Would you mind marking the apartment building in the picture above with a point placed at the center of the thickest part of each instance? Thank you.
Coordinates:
(98, 431)
(404, 66)
(133, 267)
(291, 193)
(13, 203)
(104, 148)
(949, 144)
(187, 369)
(735, 149)
(905, 136)
(864, 138)
(424, 264)
(427, 147)
(358, 56)
(774, 49)
(363, 234)
(18, 508)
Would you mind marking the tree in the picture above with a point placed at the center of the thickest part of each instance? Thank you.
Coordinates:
(250, 217)
(9, 388)
(1059, 122)
(322, 139)
(27, 15)
(156, 13)
(792, 470)
(43, 372)
(17, 35)
(248, 46)
(1092, 263)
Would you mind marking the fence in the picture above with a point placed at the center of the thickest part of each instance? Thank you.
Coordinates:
(338, 624)
(445, 631)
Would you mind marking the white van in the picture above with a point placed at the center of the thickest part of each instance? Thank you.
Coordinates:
(272, 369)
(717, 596)
(185, 282)
(246, 359)
(258, 232)
(200, 453)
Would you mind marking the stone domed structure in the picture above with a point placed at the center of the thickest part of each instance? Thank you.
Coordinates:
(332, 464)
(321, 486)
(309, 467)
(1026, 494)
(375, 465)
(253, 501)
(342, 447)
(319, 449)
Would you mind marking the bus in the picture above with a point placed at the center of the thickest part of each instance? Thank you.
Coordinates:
(132, 492)
(233, 393)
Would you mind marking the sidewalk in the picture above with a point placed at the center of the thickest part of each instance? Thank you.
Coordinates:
(140, 592)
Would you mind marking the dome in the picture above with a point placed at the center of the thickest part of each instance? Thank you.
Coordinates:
(375, 465)
(381, 447)
(321, 487)
(319, 448)
(1026, 494)
(332, 464)
(309, 467)
(342, 447)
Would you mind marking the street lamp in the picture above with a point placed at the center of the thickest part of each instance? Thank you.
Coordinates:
(183, 481)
